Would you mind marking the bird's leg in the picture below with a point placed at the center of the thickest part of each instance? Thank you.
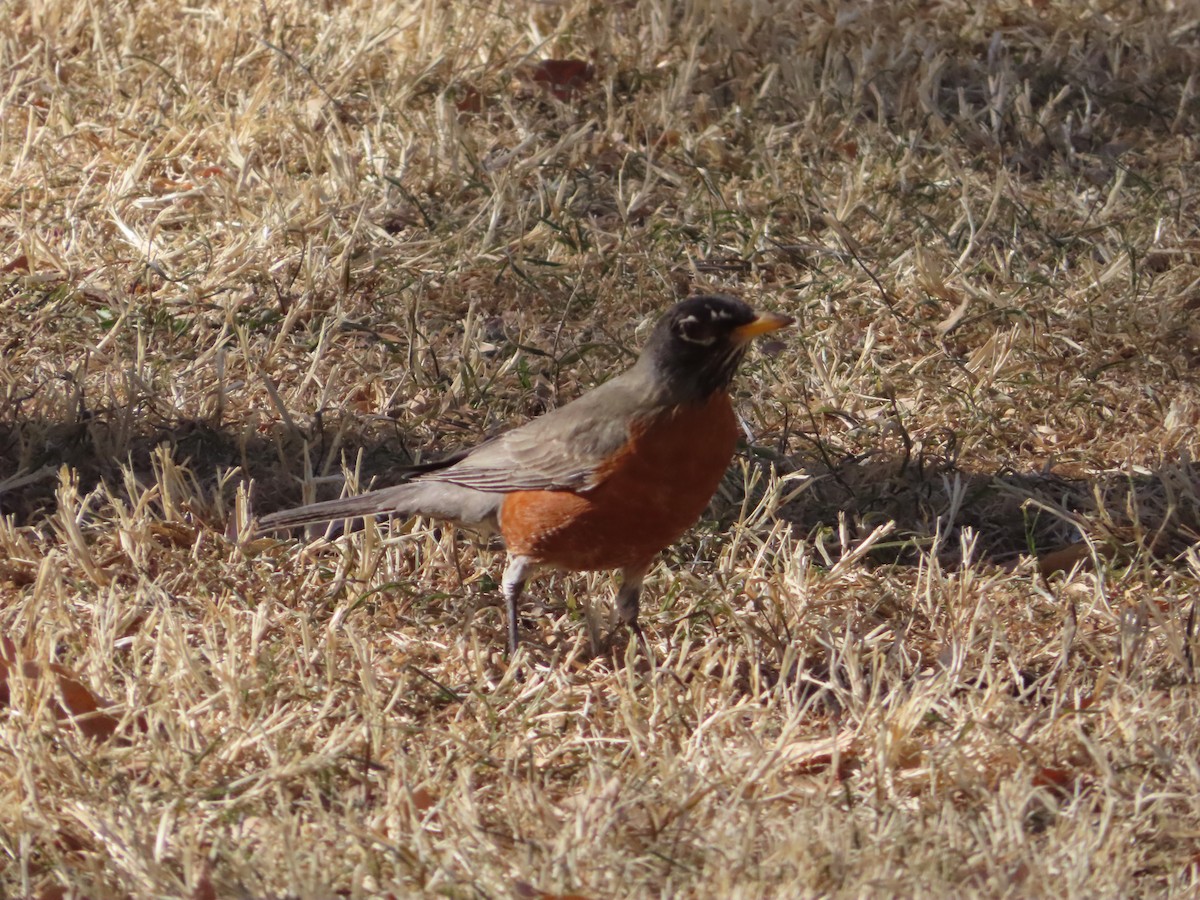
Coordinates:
(517, 571)
(629, 601)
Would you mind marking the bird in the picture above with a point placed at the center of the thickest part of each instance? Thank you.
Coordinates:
(604, 482)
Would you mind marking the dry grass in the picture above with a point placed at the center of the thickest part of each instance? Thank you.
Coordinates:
(249, 248)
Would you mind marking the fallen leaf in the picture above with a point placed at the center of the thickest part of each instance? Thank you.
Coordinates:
(204, 889)
(563, 77)
(423, 800)
(1055, 777)
(1065, 558)
(471, 101)
(76, 705)
(527, 890)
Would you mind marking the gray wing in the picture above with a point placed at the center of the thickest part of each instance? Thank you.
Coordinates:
(559, 451)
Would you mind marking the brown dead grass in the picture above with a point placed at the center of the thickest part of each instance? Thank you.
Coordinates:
(938, 634)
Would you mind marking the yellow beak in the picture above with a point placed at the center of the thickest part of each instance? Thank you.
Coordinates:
(762, 324)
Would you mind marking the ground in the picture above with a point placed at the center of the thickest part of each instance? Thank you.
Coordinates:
(936, 633)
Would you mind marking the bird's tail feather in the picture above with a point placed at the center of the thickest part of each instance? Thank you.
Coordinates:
(401, 500)
(475, 509)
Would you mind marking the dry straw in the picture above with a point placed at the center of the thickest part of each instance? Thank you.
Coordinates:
(937, 633)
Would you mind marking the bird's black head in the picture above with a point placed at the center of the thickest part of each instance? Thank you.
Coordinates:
(697, 345)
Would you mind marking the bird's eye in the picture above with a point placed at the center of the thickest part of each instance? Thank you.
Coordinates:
(692, 330)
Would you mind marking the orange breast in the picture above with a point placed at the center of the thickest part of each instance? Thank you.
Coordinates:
(651, 492)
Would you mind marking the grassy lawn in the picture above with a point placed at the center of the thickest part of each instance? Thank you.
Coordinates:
(937, 632)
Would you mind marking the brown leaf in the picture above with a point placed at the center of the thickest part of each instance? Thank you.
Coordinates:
(563, 77)
(1065, 558)
(471, 101)
(76, 703)
(18, 264)
(1055, 777)
(423, 800)
(527, 890)
(204, 889)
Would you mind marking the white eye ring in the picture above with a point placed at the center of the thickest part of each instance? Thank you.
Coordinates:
(683, 328)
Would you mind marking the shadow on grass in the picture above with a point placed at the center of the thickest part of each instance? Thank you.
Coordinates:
(99, 449)
(1010, 512)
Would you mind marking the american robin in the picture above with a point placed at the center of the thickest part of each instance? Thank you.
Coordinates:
(604, 482)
